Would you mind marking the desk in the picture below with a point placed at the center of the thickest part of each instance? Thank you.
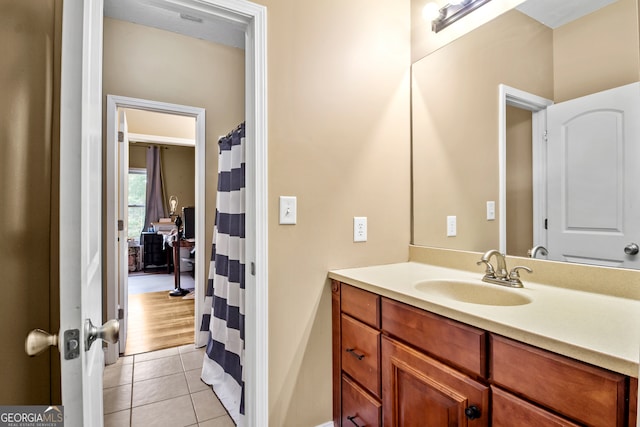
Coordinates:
(177, 244)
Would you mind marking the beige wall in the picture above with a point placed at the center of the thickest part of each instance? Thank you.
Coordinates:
(29, 32)
(338, 90)
(143, 62)
(177, 170)
(597, 52)
(455, 164)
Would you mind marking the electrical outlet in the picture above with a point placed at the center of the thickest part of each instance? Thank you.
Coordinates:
(451, 226)
(491, 210)
(359, 228)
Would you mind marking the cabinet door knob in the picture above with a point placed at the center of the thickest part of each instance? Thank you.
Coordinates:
(472, 412)
(354, 354)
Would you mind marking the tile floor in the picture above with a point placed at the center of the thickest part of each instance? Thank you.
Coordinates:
(161, 388)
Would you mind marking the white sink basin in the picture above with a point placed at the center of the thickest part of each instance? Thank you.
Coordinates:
(474, 292)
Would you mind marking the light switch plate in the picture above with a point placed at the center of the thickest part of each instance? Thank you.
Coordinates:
(288, 210)
(359, 228)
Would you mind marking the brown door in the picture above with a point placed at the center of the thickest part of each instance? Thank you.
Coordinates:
(28, 197)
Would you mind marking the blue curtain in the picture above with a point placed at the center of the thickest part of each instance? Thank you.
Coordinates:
(224, 358)
(155, 208)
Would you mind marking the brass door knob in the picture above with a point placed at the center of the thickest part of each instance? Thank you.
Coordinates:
(109, 332)
(38, 341)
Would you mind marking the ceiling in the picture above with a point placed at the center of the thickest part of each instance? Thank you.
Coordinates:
(167, 16)
(554, 13)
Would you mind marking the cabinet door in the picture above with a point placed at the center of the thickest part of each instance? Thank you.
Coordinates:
(508, 411)
(419, 391)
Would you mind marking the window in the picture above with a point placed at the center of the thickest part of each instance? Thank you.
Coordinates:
(136, 202)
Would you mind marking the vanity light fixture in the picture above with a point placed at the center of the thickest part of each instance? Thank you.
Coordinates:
(447, 15)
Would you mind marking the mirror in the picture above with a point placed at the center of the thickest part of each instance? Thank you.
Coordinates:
(455, 112)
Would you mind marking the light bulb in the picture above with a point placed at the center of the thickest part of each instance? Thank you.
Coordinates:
(430, 11)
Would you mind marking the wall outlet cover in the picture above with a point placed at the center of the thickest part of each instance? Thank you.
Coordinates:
(359, 228)
(452, 226)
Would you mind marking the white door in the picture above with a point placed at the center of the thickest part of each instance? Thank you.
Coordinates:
(593, 181)
(123, 229)
(81, 207)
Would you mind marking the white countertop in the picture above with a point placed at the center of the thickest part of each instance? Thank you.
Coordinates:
(598, 329)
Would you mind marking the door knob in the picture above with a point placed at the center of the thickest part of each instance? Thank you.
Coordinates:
(108, 332)
(38, 341)
(631, 249)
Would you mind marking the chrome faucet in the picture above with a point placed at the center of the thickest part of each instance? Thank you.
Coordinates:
(499, 275)
(534, 251)
(500, 271)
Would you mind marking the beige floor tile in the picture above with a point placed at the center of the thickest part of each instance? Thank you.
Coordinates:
(192, 360)
(117, 374)
(176, 412)
(207, 405)
(157, 389)
(117, 398)
(224, 421)
(118, 419)
(159, 354)
(156, 368)
(194, 382)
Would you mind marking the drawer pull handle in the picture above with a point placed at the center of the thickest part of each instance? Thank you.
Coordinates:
(472, 412)
(354, 354)
(352, 419)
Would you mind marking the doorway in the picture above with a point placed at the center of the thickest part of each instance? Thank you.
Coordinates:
(157, 317)
(117, 178)
(81, 81)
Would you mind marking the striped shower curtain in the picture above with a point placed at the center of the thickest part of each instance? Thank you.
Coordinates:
(224, 358)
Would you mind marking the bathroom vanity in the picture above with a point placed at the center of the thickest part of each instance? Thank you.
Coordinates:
(405, 354)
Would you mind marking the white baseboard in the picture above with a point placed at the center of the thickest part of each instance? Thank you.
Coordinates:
(327, 424)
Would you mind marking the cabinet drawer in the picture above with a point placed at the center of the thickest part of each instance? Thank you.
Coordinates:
(461, 345)
(361, 304)
(582, 392)
(361, 353)
(509, 410)
(358, 407)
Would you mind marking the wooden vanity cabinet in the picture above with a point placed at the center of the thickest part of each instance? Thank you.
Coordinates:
(421, 369)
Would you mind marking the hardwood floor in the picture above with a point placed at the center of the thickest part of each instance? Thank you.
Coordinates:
(158, 321)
